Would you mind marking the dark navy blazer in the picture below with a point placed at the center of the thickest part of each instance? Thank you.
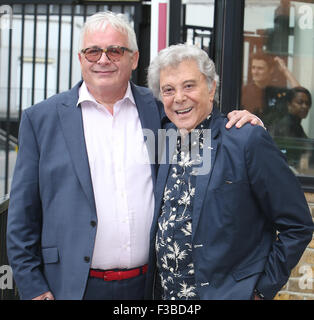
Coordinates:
(247, 196)
(51, 229)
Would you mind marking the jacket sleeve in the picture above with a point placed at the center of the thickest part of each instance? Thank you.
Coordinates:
(24, 216)
(282, 201)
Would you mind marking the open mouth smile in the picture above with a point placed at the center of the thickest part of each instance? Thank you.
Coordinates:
(184, 111)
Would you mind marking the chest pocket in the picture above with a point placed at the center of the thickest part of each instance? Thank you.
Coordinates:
(224, 205)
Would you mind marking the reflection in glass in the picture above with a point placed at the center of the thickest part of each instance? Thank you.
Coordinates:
(277, 82)
(298, 104)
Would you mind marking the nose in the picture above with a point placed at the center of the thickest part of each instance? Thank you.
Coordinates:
(104, 59)
(179, 96)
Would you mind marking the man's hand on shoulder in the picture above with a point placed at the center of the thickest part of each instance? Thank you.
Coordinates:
(241, 117)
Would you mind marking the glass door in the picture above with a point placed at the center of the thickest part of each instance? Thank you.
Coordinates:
(278, 75)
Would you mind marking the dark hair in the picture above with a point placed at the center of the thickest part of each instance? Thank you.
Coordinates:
(293, 91)
(261, 55)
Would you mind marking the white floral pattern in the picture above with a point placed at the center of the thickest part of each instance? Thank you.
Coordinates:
(174, 236)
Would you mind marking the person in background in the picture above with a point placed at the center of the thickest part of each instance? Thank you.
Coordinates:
(299, 102)
(82, 196)
(233, 231)
(263, 94)
(297, 147)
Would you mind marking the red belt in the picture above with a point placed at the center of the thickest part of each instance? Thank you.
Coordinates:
(110, 275)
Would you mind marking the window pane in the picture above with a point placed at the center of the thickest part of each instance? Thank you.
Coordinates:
(278, 75)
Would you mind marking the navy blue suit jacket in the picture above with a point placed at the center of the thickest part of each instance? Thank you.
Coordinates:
(247, 196)
(50, 237)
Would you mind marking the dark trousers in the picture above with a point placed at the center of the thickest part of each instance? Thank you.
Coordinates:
(128, 289)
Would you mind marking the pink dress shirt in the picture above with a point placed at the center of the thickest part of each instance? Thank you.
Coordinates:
(122, 181)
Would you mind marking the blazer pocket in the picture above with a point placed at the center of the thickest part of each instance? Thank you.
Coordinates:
(249, 270)
(50, 255)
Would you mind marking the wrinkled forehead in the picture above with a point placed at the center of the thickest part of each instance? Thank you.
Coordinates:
(90, 31)
(181, 74)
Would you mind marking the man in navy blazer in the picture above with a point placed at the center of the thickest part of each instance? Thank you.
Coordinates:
(231, 221)
(74, 204)
(82, 196)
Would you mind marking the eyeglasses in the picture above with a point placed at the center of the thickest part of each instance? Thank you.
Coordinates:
(113, 53)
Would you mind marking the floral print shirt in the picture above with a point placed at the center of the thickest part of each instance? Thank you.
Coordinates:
(174, 236)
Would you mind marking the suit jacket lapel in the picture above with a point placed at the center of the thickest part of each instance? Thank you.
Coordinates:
(161, 183)
(150, 121)
(163, 172)
(203, 180)
(72, 125)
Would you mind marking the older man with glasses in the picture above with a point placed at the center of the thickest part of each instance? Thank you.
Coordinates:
(82, 197)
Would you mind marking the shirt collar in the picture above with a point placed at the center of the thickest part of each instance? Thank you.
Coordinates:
(129, 94)
(85, 95)
(205, 122)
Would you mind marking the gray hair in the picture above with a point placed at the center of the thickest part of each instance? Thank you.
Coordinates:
(118, 21)
(172, 57)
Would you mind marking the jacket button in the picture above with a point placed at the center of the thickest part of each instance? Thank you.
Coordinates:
(93, 223)
(86, 259)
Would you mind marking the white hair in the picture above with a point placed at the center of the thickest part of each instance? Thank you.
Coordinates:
(118, 21)
(173, 56)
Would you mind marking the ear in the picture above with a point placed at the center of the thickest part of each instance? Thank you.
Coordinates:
(79, 57)
(135, 59)
(212, 91)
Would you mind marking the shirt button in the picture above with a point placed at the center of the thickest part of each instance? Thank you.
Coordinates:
(93, 223)
(86, 259)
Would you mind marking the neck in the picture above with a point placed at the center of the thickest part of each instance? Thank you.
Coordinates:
(261, 85)
(107, 97)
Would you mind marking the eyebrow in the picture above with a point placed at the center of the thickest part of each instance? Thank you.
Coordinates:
(189, 80)
(184, 82)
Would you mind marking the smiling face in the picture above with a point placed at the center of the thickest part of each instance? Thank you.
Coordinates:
(185, 94)
(261, 72)
(104, 76)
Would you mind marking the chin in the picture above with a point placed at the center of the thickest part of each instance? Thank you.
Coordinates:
(187, 128)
